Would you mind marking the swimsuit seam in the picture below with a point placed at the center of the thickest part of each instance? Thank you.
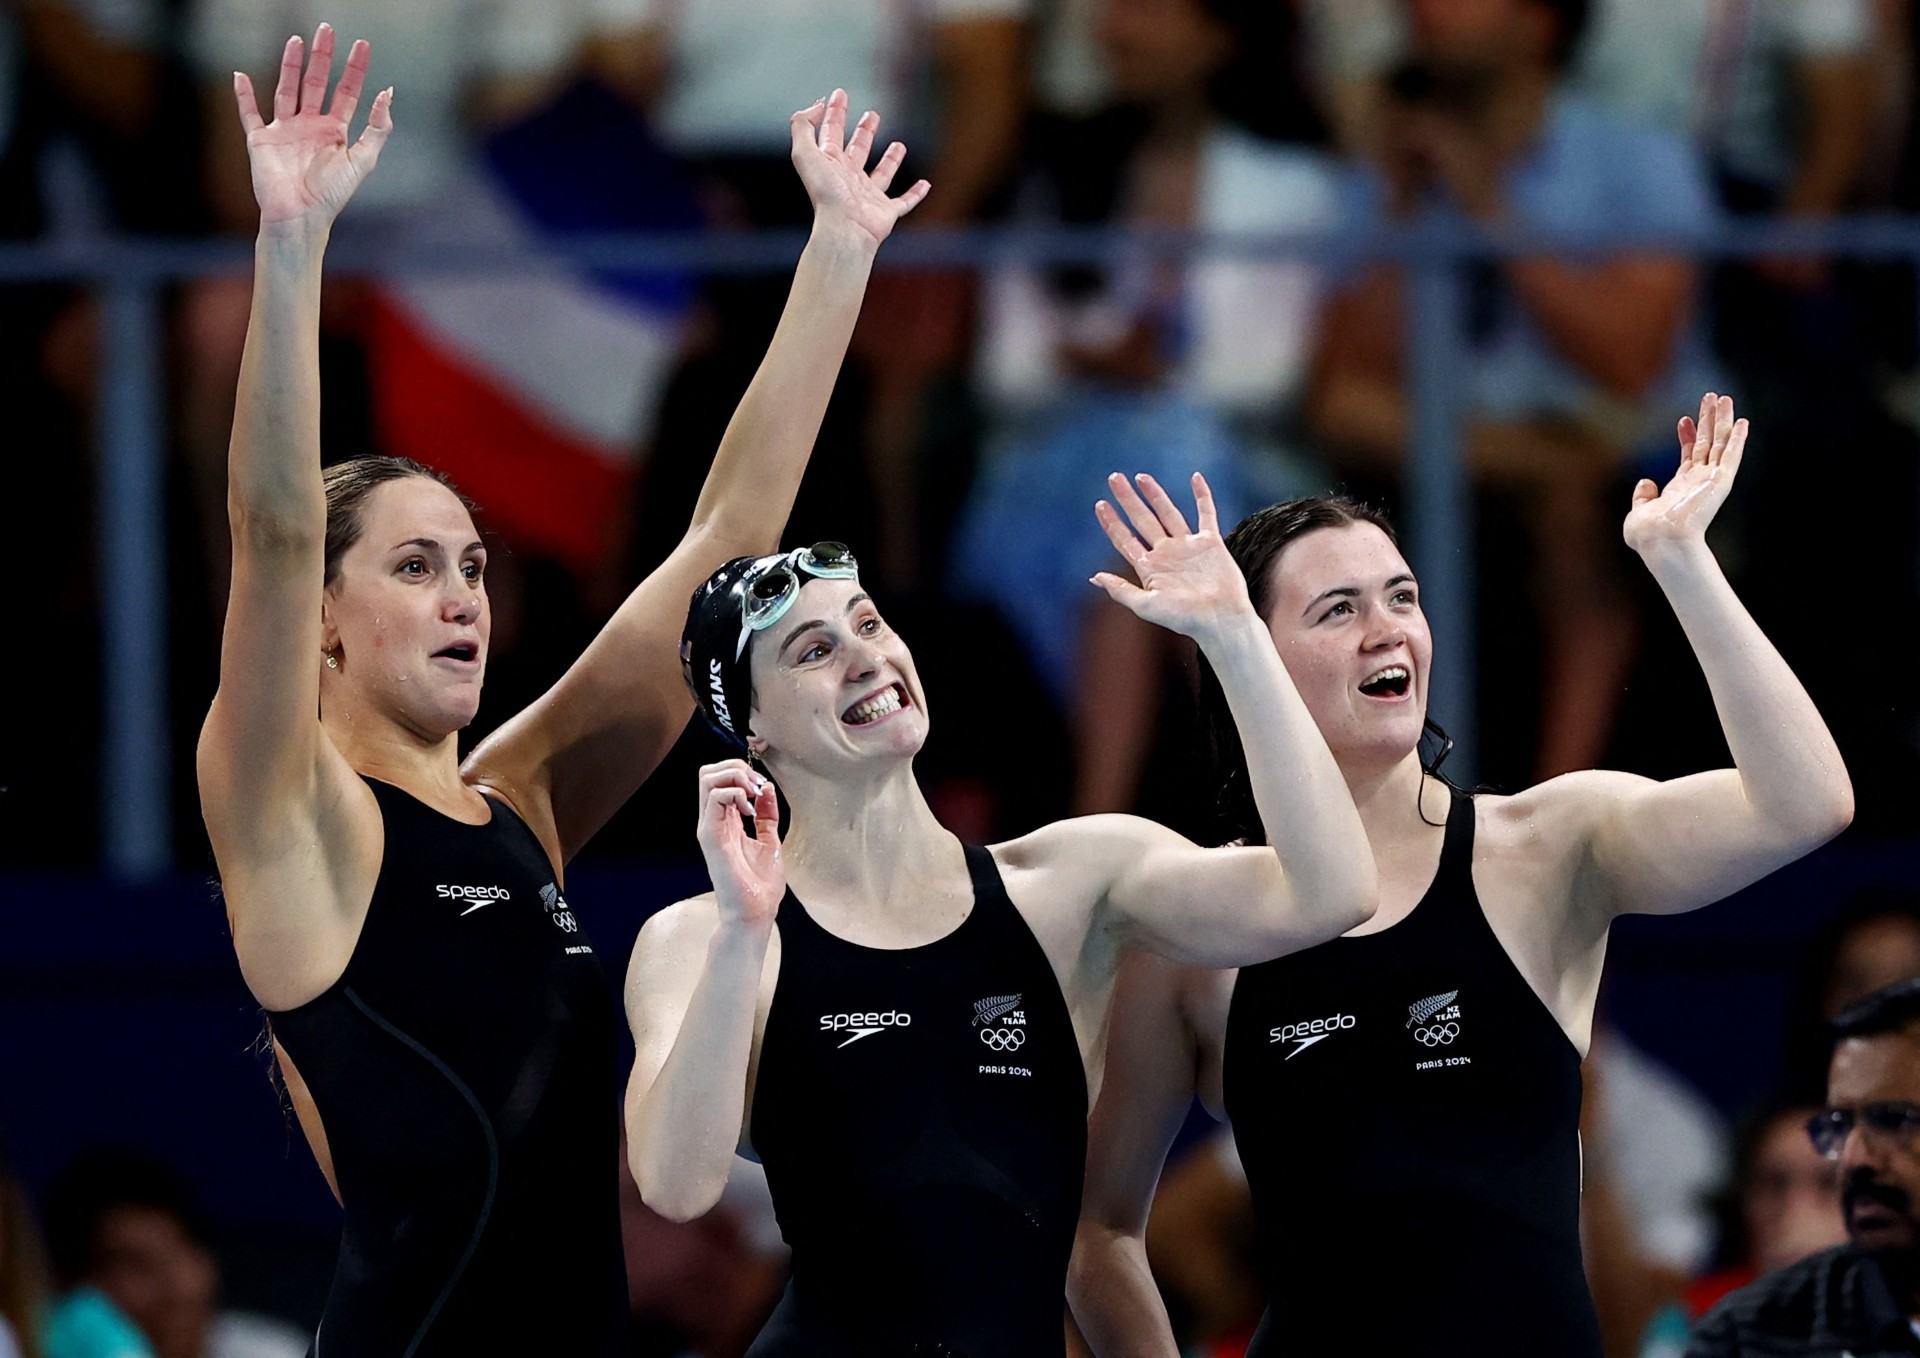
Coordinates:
(493, 1158)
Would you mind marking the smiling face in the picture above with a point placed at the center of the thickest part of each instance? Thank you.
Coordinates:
(1345, 617)
(833, 686)
(406, 617)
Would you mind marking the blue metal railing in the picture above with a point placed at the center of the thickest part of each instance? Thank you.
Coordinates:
(135, 773)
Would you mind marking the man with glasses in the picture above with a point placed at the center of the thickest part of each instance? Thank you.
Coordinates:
(1862, 1298)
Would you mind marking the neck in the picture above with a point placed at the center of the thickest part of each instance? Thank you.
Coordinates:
(861, 842)
(1390, 795)
(426, 766)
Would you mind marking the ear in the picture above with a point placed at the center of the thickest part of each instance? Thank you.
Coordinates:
(329, 632)
(756, 748)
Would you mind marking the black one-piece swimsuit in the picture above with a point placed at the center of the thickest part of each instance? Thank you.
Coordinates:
(922, 1115)
(465, 1071)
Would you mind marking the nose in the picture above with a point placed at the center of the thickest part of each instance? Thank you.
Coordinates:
(462, 602)
(1862, 1150)
(863, 659)
(1384, 631)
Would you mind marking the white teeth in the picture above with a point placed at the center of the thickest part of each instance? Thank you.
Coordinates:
(880, 705)
(1389, 673)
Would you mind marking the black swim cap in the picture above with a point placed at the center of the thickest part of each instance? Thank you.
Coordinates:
(713, 645)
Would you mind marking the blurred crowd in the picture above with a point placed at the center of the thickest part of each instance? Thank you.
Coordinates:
(980, 410)
(974, 425)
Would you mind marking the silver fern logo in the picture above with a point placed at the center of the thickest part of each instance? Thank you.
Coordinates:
(991, 1008)
(1427, 1008)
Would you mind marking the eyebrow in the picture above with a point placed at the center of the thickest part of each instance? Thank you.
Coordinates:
(1352, 592)
(804, 627)
(433, 545)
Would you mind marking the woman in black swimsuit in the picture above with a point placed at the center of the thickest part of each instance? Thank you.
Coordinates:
(905, 1028)
(437, 1011)
(1406, 1099)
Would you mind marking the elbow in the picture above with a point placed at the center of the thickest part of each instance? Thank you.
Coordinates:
(675, 1197)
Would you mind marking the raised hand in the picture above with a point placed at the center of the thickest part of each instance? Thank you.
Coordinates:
(1188, 580)
(1710, 449)
(749, 875)
(304, 169)
(834, 168)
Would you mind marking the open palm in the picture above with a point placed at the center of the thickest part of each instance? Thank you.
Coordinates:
(304, 168)
(1188, 579)
(1710, 452)
(833, 167)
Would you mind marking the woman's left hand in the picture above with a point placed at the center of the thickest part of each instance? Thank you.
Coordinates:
(835, 172)
(1710, 450)
(1189, 582)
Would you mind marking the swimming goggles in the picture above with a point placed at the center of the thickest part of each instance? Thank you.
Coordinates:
(770, 591)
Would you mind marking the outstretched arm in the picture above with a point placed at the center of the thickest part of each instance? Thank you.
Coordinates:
(1229, 907)
(1663, 847)
(693, 993)
(258, 750)
(1149, 1083)
(582, 749)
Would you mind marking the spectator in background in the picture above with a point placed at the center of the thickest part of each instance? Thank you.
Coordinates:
(1781, 1205)
(472, 67)
(1653, 1152)
(23, 1270)
(1151, 367)
(1569, 365)
(126, 1227)
(1859, 1297)
(90, 131)
(710, 74)
(1872, 942)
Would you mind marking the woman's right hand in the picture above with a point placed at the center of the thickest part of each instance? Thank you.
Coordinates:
(304, 169)
(749, 875)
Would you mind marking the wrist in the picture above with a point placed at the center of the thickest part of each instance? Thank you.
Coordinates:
(294, 238)
(739, 938)
(1676, 560)
(842, 239)
(1233, 636)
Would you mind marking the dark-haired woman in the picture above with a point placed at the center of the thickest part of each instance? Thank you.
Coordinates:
(1406, 1098)
(905, 1029)
(440, 1017)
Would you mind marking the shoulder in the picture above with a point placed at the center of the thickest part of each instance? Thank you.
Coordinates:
(1097, 844)
(1793, 1302)
(1655, 169)
(1561, 813)
(677, 929)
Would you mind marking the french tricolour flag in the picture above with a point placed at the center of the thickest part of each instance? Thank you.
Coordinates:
(535, 391)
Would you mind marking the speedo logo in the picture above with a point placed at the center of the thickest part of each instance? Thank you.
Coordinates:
(718, 693)
(479, 895)
(857, 1026)
(1305, 1034)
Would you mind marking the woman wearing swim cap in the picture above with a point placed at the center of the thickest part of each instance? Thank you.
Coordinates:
(903, 1028)
(1406, 1099)
(440, 1018)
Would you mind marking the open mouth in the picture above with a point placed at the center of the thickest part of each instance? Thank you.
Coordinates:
(881, 705)
(1390, 682)
(464, 651)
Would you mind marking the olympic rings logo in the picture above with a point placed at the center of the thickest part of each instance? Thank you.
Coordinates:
(1003, 1039)
(1438, 1035)
(565, 921)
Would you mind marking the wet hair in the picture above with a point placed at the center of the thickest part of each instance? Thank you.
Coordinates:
(349, 483)
(1891, 1010)
(104, 1181)
(1256, 544)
